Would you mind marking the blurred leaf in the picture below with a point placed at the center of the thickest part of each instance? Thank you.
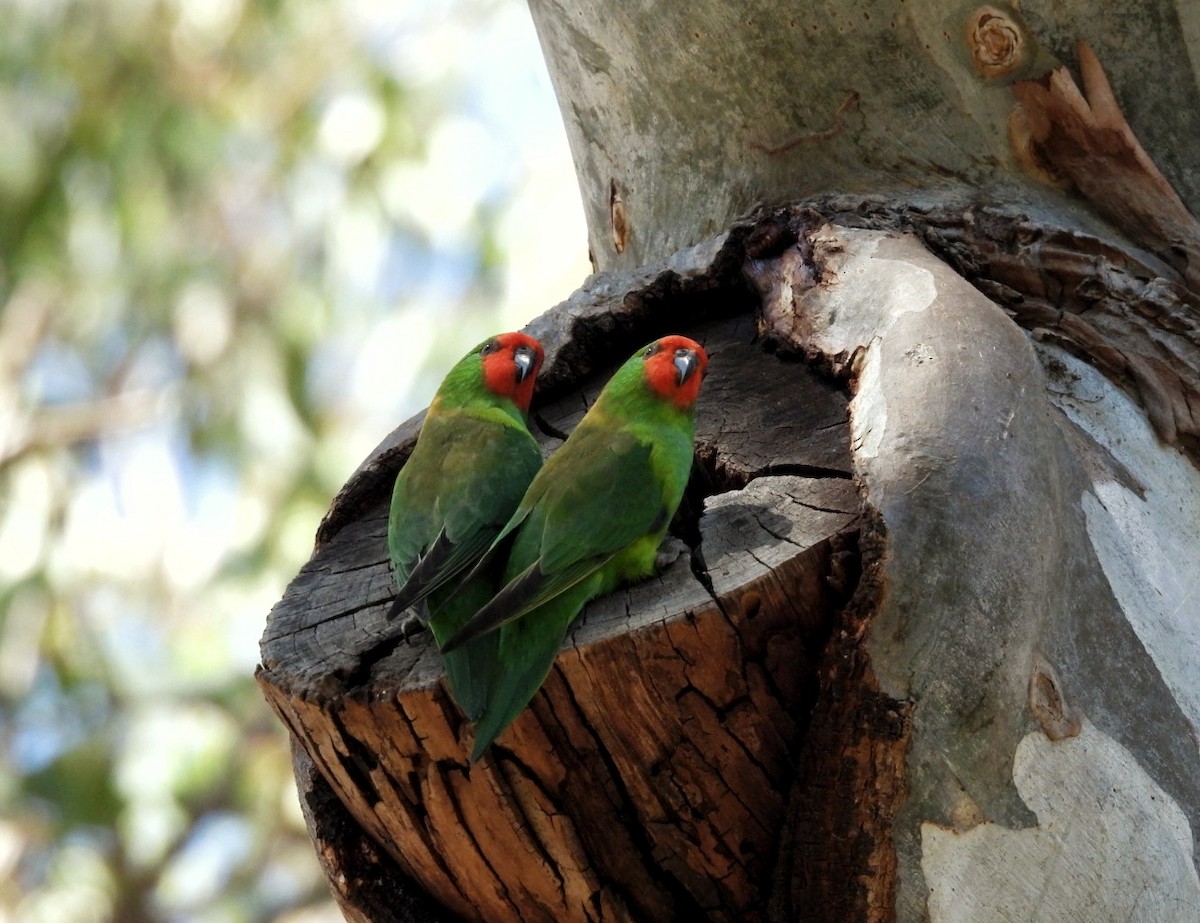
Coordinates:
(79, 786)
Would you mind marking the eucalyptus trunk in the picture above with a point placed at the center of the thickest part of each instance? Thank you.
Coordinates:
(930, 644)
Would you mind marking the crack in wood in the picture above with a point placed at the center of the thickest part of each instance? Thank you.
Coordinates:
(355, 764)
(468, 830)
(417, 813)
(721, 712)
(684, 904)
(547, 429)
(517, 775)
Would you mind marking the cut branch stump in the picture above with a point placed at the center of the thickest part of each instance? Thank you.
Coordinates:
(649, 777)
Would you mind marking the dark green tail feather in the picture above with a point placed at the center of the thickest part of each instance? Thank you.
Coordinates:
(514, 690)
(470, 669)
(526, 652)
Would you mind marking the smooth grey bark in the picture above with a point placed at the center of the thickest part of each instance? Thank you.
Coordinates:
(677, 107)
(1002, 622)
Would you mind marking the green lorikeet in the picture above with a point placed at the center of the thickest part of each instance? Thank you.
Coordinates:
(592, 519)
(473, 460)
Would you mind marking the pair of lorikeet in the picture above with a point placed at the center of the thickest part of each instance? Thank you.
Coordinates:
(500, 552)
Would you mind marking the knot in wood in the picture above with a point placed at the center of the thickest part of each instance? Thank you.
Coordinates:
(1058, 719)
(997, 43)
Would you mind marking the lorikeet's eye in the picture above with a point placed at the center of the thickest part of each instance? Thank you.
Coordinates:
(489, 347)
(650, 351)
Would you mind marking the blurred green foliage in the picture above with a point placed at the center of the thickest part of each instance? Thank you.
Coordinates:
(239, 241)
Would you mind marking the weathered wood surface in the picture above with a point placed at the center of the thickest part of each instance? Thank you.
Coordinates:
(366, 883)
(648, 779)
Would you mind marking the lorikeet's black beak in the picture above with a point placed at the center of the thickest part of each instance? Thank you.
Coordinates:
(524, 358)
(685, 365)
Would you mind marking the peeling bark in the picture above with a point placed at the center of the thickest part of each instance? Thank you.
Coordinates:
(1123, 313)
(1086, 141)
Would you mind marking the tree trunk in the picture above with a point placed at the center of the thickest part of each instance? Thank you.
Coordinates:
(930, 645)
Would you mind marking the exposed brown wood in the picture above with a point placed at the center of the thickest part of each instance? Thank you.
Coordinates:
(366, 883)
(1081, 136)
(836, 864)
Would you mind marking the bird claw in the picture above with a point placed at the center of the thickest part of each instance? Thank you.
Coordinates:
(668, 553)
(411, 626)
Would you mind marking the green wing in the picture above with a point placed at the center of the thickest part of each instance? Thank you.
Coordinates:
(588, 504)
(410, 522)
(615, 499)
(482, 475)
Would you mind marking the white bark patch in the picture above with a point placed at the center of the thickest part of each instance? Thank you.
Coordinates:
(1156, 584)
(871, 291)
(1109, 845)
(870, 295)
(1147, 545)
(868, 422)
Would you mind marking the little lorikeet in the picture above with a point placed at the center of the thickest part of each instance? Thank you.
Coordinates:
(472, 463)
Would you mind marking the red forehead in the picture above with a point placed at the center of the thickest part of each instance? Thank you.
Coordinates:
(500, 371)
(663, 376)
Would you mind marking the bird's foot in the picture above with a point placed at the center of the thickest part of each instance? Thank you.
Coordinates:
(668, 553)
(413, 625)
